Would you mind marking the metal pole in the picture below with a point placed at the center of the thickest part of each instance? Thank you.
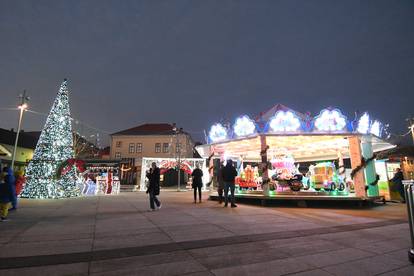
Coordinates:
(408, 190)
(412, 131)
(22, 107)
(178, 161)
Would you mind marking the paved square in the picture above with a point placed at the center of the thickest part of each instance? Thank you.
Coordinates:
(115, 235)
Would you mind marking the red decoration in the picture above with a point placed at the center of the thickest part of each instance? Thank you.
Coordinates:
(67, 165)
(109, 190)
(166, 165)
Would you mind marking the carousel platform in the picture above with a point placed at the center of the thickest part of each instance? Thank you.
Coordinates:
(304, 199)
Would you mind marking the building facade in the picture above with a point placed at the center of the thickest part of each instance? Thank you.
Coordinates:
(24, 151)
(150, 140)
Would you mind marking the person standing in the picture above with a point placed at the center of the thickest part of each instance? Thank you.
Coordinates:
(5, 196)
(229, 174)
(154, 187)
(197, 183)
(11, 181)
(220, 183)
(397, 180)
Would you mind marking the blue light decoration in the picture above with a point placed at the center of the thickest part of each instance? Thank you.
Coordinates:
(244, 126)
(217, 133)
(364, 124)
(330, 120)
(284, 121)
(376, 128)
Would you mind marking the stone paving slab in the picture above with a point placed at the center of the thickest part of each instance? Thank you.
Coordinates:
(52, 270)
(367, 266)
(276, 267)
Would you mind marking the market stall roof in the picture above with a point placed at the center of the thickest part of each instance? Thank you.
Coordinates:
(303, 147)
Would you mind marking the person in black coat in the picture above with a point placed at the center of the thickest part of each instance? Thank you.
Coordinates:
(197, 183)
(397, 180)
(220, 183)
(229, 174)
(153, 189)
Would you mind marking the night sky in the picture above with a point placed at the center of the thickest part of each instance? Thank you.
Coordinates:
(197, 62)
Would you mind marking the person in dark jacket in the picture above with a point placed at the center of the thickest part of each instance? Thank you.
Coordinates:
(220, 183)
(154, 187)
(397, 180)
(6, 195)
(197, 183)
(11, 181)
(229, 174)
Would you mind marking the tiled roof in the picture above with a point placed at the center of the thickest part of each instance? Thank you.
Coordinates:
(26, 139)
(148, 129)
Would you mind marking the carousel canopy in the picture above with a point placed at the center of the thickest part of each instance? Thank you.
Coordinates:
(303, 148)
(306, 138)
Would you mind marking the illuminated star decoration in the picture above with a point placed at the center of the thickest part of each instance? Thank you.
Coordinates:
(330, 120)
(244, 126)
(284, 121)
(364, 124)
(376, 128)
(218, 133)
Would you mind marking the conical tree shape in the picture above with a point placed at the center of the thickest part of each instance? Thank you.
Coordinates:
(55, 145)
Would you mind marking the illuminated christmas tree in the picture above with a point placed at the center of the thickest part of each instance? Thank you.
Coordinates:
(55, 145)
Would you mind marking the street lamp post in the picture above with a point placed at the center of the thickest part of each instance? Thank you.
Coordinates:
(411, 127)
(22, 107)
(178, 151)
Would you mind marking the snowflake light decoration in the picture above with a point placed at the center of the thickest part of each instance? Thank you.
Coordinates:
(364, 124)
(217, 133)
(244, 126)
(284, 121)
(376, 128)
(330, 120)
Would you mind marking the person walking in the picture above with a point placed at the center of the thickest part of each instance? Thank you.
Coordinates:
(6, 195)
(229, 174)
(154, 187)
(397, 180)
(197, 175)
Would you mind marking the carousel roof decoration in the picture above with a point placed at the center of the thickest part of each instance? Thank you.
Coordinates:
(330, 120)
(244, 126)
(217, 133)
(364, 124)
(281, 120)
(376, 128)
(284, 121)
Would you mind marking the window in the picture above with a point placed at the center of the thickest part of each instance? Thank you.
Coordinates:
(165, 147)
(178, 148)
(139, 147)
(157, 147)
(118, 144)
(117, 155)
(131, 148)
